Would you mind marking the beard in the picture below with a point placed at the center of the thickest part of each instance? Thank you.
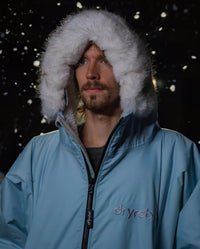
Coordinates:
(102, 102)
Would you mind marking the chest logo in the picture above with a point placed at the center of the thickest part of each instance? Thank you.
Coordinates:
(133, 213)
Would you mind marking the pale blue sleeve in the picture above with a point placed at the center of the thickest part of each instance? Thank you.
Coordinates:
(15, 203)
(188, 229)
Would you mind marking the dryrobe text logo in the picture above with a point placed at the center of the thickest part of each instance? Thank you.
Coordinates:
(133, 213)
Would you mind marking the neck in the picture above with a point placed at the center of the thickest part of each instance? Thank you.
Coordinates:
(98, 128)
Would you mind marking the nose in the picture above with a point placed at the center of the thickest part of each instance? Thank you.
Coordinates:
(93, 72)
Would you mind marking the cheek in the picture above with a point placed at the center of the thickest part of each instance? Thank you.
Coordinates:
(115, 89)
(110, 77)
(113, 84)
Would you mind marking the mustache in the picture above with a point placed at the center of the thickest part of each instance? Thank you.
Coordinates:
(93, 84)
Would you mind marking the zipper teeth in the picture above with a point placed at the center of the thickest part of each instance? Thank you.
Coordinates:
(89, 215)
(93, 182)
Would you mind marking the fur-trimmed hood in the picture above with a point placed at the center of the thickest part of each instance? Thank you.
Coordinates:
(122, 47)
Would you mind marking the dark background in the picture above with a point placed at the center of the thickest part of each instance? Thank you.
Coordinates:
(171, 28)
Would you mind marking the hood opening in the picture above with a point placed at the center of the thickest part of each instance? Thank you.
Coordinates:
(123, 48)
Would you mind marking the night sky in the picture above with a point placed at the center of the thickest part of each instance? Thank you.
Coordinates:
(171, 28)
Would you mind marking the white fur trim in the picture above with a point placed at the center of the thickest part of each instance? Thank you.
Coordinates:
(123, 48)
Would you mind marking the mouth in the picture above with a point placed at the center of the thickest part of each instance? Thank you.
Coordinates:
(93, 87)
(93, 90)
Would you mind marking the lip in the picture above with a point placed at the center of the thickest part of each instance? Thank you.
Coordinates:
(93, 90)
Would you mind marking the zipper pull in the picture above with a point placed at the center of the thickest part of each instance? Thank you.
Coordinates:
(90, 211)
(90, 218)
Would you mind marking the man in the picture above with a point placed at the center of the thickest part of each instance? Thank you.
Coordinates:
(110, 177)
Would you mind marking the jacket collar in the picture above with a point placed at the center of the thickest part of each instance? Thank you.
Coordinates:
(130, 131)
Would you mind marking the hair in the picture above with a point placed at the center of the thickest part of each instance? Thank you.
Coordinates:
(80, 112)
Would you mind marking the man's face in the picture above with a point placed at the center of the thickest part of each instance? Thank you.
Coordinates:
(98, 89)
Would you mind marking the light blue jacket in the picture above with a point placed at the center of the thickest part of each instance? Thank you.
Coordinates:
(147, 192)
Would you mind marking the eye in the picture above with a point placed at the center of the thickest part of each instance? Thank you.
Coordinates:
(105, 61)
(81, 62)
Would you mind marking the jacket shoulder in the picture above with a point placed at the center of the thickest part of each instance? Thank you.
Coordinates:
(45, 140)
(179, 150)
(173, 137)
(34, 153)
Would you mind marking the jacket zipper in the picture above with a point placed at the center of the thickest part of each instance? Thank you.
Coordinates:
(89, 217)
